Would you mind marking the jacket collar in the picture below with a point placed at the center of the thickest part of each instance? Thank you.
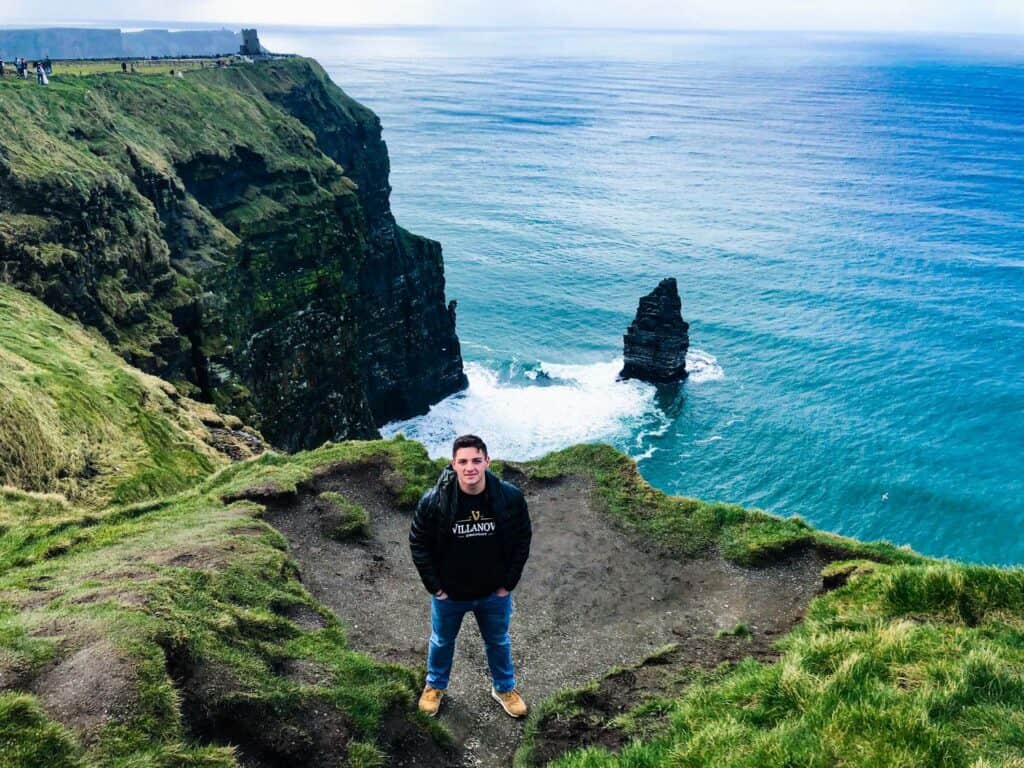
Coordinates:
(448, 483)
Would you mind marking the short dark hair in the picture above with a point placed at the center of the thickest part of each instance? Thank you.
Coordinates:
(468, 441)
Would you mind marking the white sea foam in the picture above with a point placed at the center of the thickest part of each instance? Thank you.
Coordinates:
(568, 404)
(646, 454)
(702, 366)
(705, 441)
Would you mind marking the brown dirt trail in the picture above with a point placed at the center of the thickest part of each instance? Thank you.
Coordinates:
(591, 598)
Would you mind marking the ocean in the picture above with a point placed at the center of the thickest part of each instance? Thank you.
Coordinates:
(844, 215)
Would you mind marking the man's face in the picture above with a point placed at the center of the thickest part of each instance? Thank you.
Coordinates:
(469, 464)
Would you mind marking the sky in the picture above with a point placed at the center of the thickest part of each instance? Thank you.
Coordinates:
(942, 16)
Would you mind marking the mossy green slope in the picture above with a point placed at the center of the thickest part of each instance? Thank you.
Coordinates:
(198, 224)
(77, 421)
(191, 605)
(159, 590)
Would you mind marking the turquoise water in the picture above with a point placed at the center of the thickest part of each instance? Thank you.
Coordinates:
(844, 215)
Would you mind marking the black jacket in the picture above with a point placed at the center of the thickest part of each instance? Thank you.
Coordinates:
(431, 529)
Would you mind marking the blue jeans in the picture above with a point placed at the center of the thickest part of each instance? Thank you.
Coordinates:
(492, 614)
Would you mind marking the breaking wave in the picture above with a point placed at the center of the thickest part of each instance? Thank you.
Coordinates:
(524, 410)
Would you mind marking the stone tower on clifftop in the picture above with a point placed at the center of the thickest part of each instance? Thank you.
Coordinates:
(250, 43)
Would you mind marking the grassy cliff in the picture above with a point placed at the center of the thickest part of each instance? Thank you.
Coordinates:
(229, 231)
(905, 665)
(78, 421)
(148, 614)
(903, 661)
(188, 614)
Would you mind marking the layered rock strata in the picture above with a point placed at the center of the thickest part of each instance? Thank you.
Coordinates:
(410, 357)
(654, 347)
(230, 231)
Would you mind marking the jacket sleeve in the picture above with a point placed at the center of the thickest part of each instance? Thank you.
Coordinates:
(520, 534)
(422, 535)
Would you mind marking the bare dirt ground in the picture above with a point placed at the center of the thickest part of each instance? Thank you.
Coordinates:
(591, 598)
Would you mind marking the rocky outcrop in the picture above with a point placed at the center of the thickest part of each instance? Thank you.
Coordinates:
(410, 358)
(654, 347)
(232, 233)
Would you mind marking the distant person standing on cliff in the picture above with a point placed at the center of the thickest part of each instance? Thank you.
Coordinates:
(470, 539)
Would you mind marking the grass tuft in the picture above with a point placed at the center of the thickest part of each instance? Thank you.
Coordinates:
(740, 630)
(345, 519)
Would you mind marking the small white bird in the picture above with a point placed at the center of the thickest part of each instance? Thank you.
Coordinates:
(885, 496)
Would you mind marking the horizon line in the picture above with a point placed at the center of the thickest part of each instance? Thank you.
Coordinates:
(185, 25)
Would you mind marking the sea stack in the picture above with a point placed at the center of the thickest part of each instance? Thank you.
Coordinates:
(654, 347)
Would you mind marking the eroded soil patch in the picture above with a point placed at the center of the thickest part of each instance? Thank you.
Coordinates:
(89, 689)
(591, 598)
(588, 717)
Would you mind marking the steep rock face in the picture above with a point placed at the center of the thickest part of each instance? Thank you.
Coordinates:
(203, 228)
(654, 347)
(92, 253)
(411, 357)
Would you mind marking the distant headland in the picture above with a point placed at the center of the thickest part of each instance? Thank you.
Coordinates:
(77, 43)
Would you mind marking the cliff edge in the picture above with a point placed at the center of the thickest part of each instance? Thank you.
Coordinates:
(230, 231)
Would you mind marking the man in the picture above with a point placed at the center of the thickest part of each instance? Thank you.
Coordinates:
(470, 539)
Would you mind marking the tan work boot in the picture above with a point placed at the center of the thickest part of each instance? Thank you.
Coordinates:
(430, 700)
(511, 702)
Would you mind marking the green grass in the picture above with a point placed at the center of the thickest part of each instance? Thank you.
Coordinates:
(590, 704)
(90, 118)
(119, 534)
(191, 578)
(84, 67)
(363, 755)
(886, 671)
(740, 630)
(347, 519)
(909, 663)
(29, 738)
(78, 421)
(914, 662)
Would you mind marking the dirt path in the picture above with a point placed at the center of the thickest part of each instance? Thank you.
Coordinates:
(590, 598)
